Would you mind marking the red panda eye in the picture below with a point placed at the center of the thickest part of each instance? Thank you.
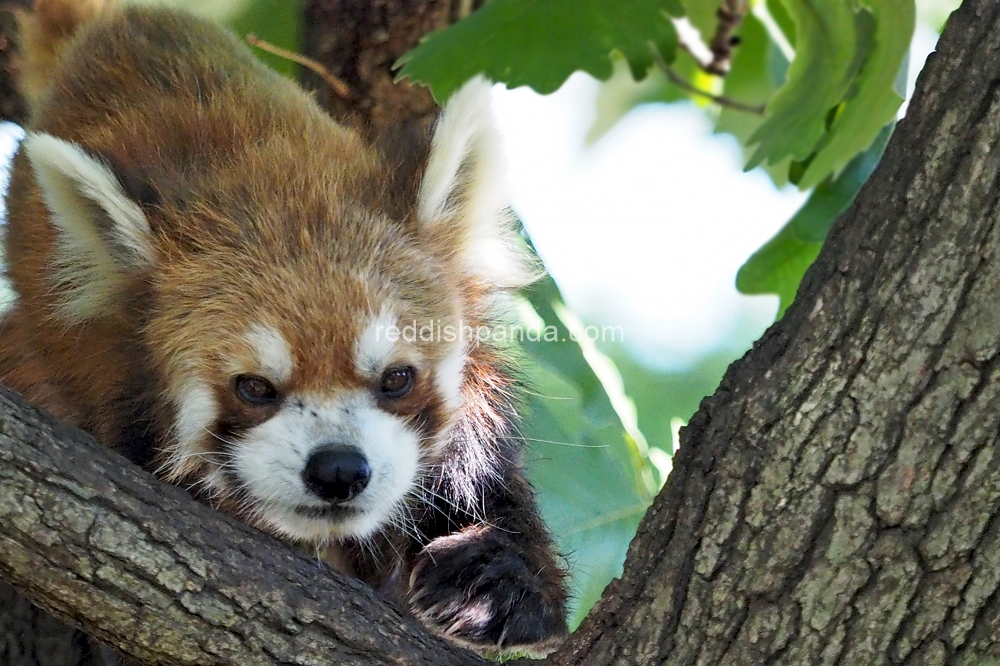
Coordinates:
(396, 382)
(255, 390)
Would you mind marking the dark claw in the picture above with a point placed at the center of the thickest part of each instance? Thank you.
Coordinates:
(478, 589)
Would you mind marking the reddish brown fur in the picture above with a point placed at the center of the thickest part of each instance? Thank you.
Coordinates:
(251, 266)
(311, 237)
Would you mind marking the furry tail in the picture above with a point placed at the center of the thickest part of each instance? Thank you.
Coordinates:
(45, 33)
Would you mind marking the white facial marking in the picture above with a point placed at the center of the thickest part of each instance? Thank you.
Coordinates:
(271, 457)
(374, 349)
(274, 357)
(449, 376)
(92, 255)
(196, 412)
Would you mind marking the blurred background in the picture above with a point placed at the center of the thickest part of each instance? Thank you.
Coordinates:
(643, 214)
(645, 220)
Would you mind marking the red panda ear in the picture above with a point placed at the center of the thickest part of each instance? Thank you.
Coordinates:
(463, 201)
(102, 234)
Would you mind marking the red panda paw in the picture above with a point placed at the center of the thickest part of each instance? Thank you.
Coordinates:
(478, 588)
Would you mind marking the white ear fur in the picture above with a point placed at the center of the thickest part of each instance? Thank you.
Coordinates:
(464, 190)
(101, 233)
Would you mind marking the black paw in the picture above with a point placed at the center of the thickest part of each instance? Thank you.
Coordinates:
(477, 588)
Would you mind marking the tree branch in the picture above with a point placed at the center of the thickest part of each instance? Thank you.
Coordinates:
(337, 87)
(685, 85)
(145, 568)
(730, 15)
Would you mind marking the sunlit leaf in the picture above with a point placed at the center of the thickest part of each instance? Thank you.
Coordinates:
(778, 267)
(818, 79)
(776, 8)
(592, 481)
(934, 13)
(875, 102)
(539, 43)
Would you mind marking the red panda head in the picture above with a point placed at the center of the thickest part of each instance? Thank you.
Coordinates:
(309, 343)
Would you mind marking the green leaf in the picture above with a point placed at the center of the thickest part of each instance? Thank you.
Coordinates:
(876, 101)
(832, 197)
(584, 453)
(818, 79)
(586, 488)
(276, 21)
(778, 266)
(758, 67)
(781, 17)
(539, 43)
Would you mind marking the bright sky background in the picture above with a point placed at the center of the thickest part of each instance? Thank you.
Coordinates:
(647, 227)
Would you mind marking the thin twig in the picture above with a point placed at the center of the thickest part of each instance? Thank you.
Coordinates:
(339, 88)
(715, 57)
(730, 15)
(721, 100)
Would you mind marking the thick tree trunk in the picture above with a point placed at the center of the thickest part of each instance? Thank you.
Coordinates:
(359, 42)
(836, 501)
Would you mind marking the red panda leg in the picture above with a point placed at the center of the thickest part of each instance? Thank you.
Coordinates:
(492, 584)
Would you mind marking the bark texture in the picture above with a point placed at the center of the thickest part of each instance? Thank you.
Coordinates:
(359, 42)
(30, 637)
(837, 500)
(143, 567)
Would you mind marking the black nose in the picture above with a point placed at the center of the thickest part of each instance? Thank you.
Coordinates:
(337, 475)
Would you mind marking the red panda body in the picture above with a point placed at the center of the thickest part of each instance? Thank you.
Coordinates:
(212, 276)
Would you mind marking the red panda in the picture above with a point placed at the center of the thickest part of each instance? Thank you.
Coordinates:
(212, 277)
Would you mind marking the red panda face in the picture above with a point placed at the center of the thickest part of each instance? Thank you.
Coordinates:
(314, 411)
(307, 337)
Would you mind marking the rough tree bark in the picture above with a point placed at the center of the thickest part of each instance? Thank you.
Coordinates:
(359, 41)
(835, 502)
